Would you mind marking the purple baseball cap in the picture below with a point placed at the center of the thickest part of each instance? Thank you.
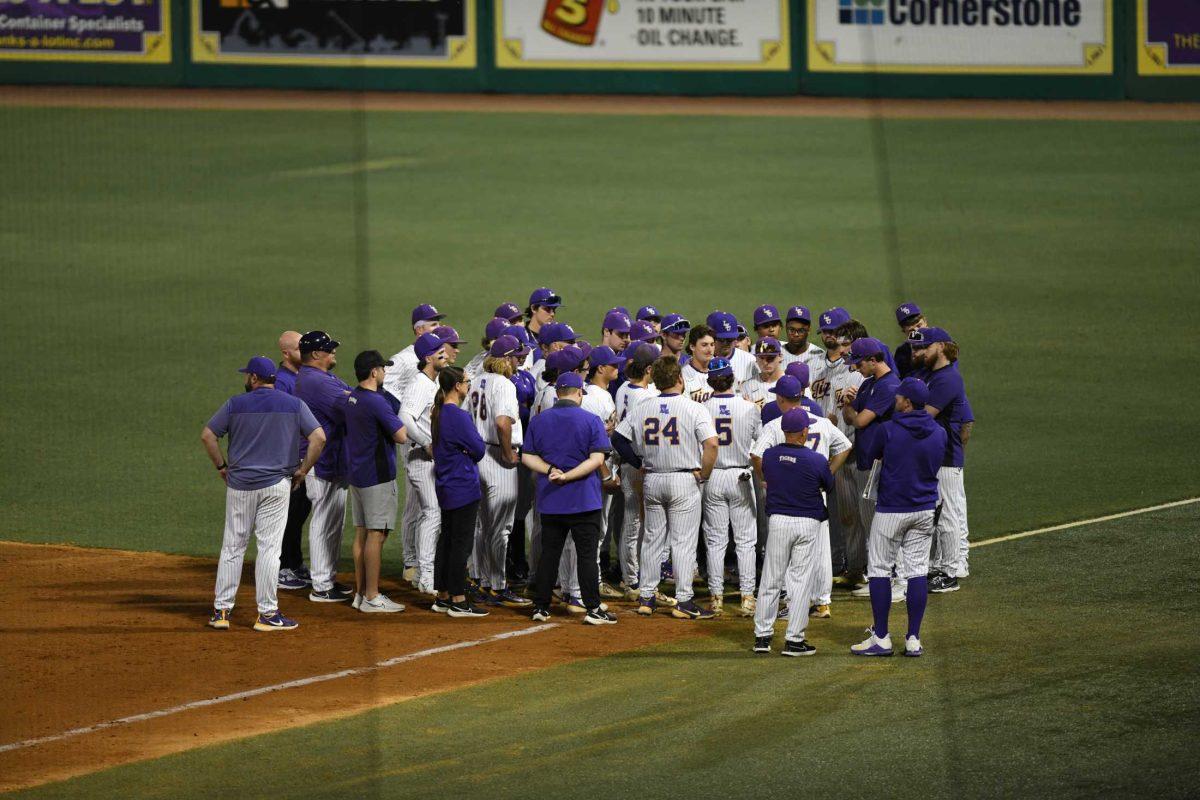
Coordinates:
(556, 332)
(649, 312)
(642, 331)
(426, 345)
(604, 356)
(506, 346)
(569, 380)
(448, 335)
(622, 309)
(617, 321)
(508, 311)
(834, 318)
(723, 324)
(720, 368)
(641, 352)
(584, 347)
(261, 366)
(800, 371)
(766, 314)
(426, 312)
(800, 313)
(906, 311)
(495, 328)
(864, 348)
(788, 387)
(742, 332)
(674, 323)
(545, 297)
(767, 346)
(520, 333)
(915, 390)
(571, 358)
(923, 337)
(795, 420)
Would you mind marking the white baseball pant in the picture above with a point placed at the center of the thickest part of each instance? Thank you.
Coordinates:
(497, 510)
(325, 530)
(263, 512)
(631, 530)
(420, 483)
(900, 542)
(728, 499)
(408, 522)
(950, 544)
(672, 518)
(822, 576)
(787, 564)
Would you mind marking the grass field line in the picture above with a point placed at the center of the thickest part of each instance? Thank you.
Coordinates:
(349, 168)
(275, 687)
(1080, 523)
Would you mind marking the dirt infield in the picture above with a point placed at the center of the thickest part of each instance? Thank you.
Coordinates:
(91, 636)
(299, 100)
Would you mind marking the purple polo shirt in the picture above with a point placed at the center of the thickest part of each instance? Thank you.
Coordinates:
(526, 393)
(911, 445)
(948, 393)
(370, 426)
(322, 391)
(771, 410)
(262, 427)
(285, 380)
(456, 454)
(564, 436)
(795, 478)
(879, 395)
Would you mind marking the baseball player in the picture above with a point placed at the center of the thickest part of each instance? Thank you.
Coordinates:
(797, 347)
(800, 371)
(451, 340)
(644, 332)
(541, 311)
(636, 389)
(651, 315)
(936, 353)
(372, 431)
(415, 409)
(491, 332)
(322, 391)
(494, 407)
(604, 366)
(614, 331)
(769, 369)
(701, 344)
(797, 479)
(911, 446)
(510, 312)
(725, 331)
(676, 445)
(551, 338)
(292, 572)
(729, 494)
(742, 342)
(261, 470)
(675, 330)
(767, 322)
(909, 317)
(824, 438)
(526, 384)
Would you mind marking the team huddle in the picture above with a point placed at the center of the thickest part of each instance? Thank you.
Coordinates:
(667, 454)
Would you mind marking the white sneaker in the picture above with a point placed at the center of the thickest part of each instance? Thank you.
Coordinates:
(912, 647)
(873, 645)
(748, 605)
(380, 604)
(897, 597)
(861, 591)
(356, 602)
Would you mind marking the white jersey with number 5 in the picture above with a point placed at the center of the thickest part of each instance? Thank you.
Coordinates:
(667, 431)
(494, 396)
(737, 422)
(823, 437)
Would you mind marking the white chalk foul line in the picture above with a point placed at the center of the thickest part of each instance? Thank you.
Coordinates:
(1082, 522)
(277, 687)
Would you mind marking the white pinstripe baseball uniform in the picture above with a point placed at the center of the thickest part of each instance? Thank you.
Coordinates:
(474, 367)
(396, 379)
(729, 494)
(415, 408)
(492, 397)
(695, 383)
(667, 433)
(263, 512)
(629, 395)
(758, 391)
(745, 366)
(813, 355)
(848, 519)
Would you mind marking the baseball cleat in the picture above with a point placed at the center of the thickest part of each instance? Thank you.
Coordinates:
(275, 622)
(440, 606)
(666, 572)
(357, 601)
(819, 611)
(646, 606)
(664, 600)
(288, 579)
(510, 599)
(861, 592)
(219, 619)
(943, 584)
(607, 591)
(303, 574)
(465, 609)
(575, 604)
(630, 592)
(783, 612)
(380, 604)
(689, 610)
(541, 614)
(873, 645)
(912, 647)
(410, 574)
(717, 605)
(597, 617)
(800, 648)
(762, 644)
(748, 605)
(328, 596)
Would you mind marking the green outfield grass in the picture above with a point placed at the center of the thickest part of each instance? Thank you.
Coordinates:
(1049, 676)
(148, 253)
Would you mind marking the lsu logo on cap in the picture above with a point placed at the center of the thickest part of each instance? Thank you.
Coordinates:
(725, 324)
(906, 309)
(916, 336)
(826, 319)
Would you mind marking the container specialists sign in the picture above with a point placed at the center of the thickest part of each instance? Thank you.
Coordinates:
(721, 35)
(86, 30)
(1168, 37)
(961, 36)
(346, 33)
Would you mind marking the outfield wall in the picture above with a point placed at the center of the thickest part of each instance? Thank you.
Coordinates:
(1145, 49)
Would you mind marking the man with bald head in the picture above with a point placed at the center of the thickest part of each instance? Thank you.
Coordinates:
(292, 572)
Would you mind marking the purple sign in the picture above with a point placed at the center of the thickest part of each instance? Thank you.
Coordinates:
(1176, 24)
(117, 30)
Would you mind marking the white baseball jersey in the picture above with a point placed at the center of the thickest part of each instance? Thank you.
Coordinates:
(536, 369)
(598, 401)
(630, 394)
(667, 431)
(813, 355)
(399, 375)
(737, 422)
(493, 396)
(546, 397)
(758, 391)
(823, 437)
(839, 381)
(745, 366)
(474, 367)
(818, 382)
(695, 383)
(415, 408)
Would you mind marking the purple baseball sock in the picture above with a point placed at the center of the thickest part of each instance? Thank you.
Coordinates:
(915, 599)
(881, 603)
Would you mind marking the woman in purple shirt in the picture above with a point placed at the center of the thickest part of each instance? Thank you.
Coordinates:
(457, 449)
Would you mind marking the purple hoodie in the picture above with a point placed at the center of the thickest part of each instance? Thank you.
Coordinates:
(911, 445)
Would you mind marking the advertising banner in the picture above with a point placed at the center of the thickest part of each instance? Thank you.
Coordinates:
(340, 33)
(1032, 37)
(74, 30)
(717, 35)
(1168, 37)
